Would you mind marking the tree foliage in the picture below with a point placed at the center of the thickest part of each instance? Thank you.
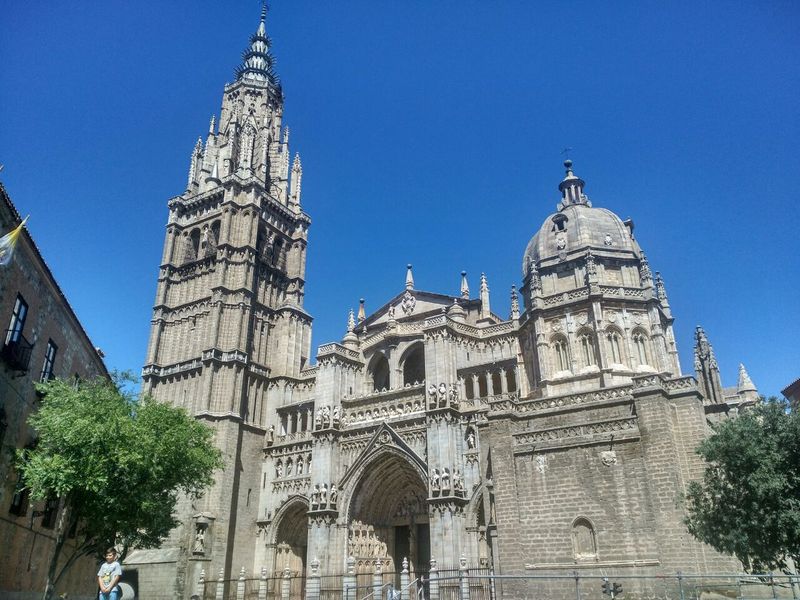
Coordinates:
(117, 465)
(748, 503)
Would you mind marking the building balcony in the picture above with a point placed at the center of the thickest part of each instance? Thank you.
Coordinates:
(17, 352)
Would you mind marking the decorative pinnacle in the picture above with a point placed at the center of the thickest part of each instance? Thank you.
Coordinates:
(409, 277)
(514, 303)
(258, 63)
(362, 313)
(464, 286)
(351, 321)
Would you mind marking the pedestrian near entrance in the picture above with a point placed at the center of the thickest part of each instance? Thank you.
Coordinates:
(108, 577)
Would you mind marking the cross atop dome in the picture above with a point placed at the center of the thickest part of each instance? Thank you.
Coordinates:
(258, 64)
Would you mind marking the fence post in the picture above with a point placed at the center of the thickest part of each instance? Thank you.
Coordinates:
(772, 585)
(262, 584)
(377, 582)
(433, 583)
(221, 585)
(680, 584)
(404, 578)
(463, 577)
(240, 585)
(349, 580)
(286, 584)
(313, 582)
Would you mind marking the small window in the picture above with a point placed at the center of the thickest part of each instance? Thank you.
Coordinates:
(560, 222)
(50, 513)
(17, 323)
(49, 361)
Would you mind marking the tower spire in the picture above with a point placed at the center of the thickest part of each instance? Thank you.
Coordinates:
(464, 286)
(258, 64)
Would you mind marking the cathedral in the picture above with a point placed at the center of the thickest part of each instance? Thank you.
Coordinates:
(556, 438)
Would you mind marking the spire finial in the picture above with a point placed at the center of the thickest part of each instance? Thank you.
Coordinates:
(464, 286)
(257, 61)
(409, 277)
(486, 310)
(571, 187)
(351, 321)
(514, 303)
(745, 384)
(362, 313)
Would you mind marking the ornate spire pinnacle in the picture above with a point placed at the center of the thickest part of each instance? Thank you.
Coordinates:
(409, 277)
(536, 280)
(297, 179)
(514, 303)
(212, 125)
(351, 321)
(486, 310)
(571, 187)
(197, 154)
(645, 275)
(745, 384)
(214, 177)
(661, 291)
(258, 63)
(464, 286)
(362, 313)
(350, 339)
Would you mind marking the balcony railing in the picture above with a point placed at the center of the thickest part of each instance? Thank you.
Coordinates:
(17, 351)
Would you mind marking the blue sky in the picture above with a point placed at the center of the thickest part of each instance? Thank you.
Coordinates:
(430, 133)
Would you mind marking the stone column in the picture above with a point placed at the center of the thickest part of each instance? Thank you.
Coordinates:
(240, 585)
(433, 585)
(349, 582)
(476, 389)
(503, 382)
(286, 584)
(463, 578)
(313, 582)
(262, 584)
(490, 391)
(404, 581)
(377, 582)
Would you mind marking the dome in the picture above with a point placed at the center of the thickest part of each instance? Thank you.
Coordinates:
(577, 226)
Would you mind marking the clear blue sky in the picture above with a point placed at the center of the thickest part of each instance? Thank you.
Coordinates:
(430, 133)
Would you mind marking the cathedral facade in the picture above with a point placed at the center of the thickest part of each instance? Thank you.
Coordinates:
(560, 437)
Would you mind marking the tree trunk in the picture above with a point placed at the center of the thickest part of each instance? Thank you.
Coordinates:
(61, 536)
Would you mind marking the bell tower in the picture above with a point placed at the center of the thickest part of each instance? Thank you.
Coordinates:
(229, 334)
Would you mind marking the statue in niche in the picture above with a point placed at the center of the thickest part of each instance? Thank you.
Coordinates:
(435, 480)
(300, 465)
(271, 435)
(289, 467)
(432, 393)
(326, 416)
(323, 496)
(471, 440)
(278, 470)
(458, 483)
(337, 416)
(442, 394)
(453, 395)
(446, 480)
(199, 539)
(333, 496)
(315, 496)
(318, 419)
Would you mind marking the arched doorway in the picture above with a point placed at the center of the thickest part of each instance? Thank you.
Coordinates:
(291, 538)
(388, 516)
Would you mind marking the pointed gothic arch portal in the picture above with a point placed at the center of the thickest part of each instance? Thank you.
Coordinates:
(388, 517)
(291, 539)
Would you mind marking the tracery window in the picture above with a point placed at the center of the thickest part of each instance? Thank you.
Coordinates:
(561, 354)
(586, 349)
(614, 339)
(640, 345)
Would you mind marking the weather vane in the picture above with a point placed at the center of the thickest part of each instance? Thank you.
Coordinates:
(565, 152)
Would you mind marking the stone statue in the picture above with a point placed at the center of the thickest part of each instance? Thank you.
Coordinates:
(337, 416)
(271, 435)
(326, 416)
(442, 394)
(453, 394)
(323, 496)
(300, 465)
(446, 480)
(315, 495)
(458, 483)
(289, 467)
(471, 440)
(199, 540)
(390, 313)
(318, 419)
(278, 470)
(333, 496)
(435, 480)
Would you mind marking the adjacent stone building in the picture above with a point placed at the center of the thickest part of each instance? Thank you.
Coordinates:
(41, 339)
(556, 438)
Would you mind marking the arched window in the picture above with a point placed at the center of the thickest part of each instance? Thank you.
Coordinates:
(469, 389)
(511, 380)
(614, 339)
(640, 344)
(414, 365)
(561, 354)
(586, 349)
(584, 543)
(497, 383)
(379, 370)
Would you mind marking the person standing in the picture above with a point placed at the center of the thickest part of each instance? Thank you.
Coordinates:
(108, 577)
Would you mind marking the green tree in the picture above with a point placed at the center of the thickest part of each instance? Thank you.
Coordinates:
(116, 465)
(748, 503)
